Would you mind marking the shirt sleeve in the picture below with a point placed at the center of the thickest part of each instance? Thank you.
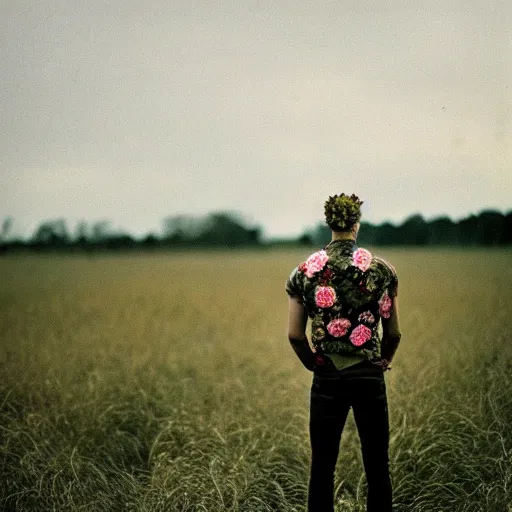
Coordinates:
(390, 276)
(393, 285)
(292, 286)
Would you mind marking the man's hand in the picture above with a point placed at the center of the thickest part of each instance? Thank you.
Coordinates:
(384, 364)
(323, 364)
(304, 352)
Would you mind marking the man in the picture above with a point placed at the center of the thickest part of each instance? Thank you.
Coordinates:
(346, 292)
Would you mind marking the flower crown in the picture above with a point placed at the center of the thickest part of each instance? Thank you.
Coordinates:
(342, 211)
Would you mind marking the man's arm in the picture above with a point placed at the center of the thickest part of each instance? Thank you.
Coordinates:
(391, 333)
(297, 321)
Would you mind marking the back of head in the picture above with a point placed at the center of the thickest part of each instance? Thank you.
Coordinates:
(342, 212)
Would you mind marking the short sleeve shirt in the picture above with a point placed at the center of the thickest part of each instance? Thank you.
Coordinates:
(345, 290)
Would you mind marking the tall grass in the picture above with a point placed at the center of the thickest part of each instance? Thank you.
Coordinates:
(165, 383)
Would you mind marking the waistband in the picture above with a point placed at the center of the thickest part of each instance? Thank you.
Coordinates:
(364, 368)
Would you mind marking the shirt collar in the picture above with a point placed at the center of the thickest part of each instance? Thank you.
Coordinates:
(349, 242)
(342, 247)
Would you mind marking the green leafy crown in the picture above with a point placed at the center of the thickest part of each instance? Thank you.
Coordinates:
(342, 211)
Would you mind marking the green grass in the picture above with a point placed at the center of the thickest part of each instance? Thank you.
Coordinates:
(166, 383)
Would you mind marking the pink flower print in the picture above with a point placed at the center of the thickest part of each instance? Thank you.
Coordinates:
(367, 317)
(302, 267)
(325, 296)
(316, 262)
(360, 335)
(385, 305)
(362, 259)
(338, 327)
(327, 275)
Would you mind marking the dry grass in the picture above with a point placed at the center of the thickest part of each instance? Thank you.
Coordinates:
(166, 383)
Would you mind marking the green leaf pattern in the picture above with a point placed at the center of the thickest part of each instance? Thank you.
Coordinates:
(356, 292)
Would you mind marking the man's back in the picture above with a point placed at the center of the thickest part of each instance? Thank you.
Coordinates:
(345, 291)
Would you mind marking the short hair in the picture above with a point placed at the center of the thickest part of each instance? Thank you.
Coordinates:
(342, 212)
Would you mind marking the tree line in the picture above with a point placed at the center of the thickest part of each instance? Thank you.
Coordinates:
(214, 230)
(489, 227)
(228, 229)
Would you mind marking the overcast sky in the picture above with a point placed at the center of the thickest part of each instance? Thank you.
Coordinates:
(134, 111)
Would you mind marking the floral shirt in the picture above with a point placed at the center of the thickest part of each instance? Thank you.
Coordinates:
(346, 291)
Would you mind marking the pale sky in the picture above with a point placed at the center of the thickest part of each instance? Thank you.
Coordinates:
(135, 111)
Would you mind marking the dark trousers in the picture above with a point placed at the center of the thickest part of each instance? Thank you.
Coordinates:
(332, 396)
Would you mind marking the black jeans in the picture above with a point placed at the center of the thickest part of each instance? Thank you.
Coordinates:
(332, 396)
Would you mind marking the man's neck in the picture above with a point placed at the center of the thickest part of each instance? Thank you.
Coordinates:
(342, 235)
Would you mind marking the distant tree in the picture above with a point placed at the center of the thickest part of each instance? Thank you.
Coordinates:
(467, 230)
(51, 233)
(368, 234)
(150, 240)
(101, 231)
(180, 229)
(414, 231)
(6, 230)
(387, 234)
(321, 234)
(82, 232)
(490, 228)
(227, 228)
(119, 241)
(220, 228)
(306, 239)
(442, 231)
(507, 227)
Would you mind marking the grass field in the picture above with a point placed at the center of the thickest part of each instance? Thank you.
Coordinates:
(164, 382)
